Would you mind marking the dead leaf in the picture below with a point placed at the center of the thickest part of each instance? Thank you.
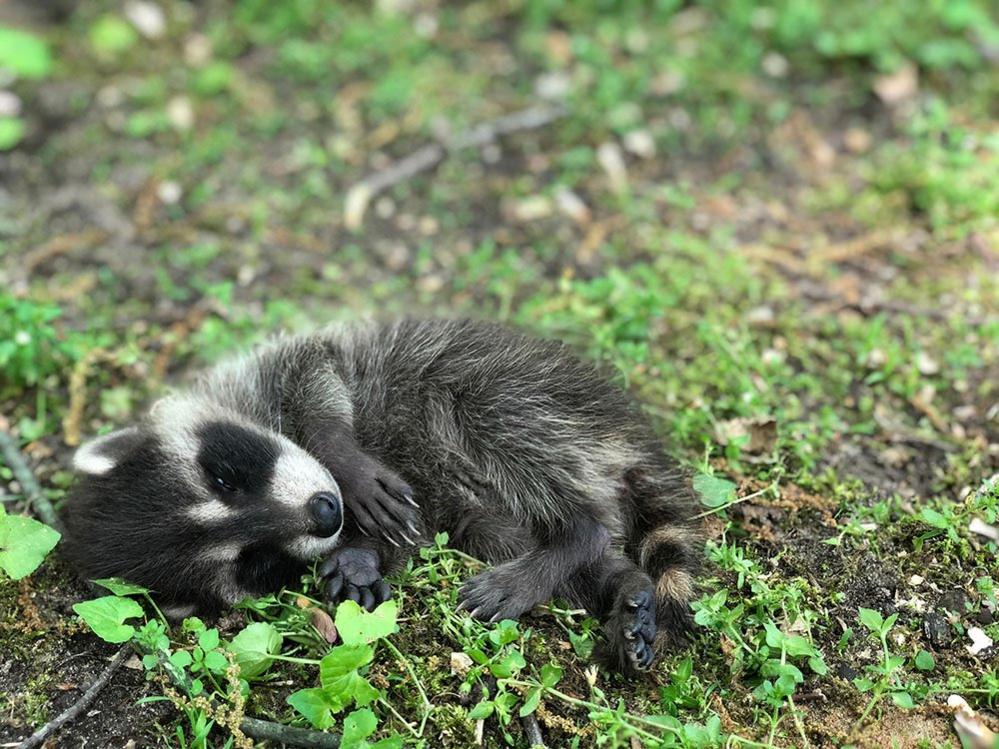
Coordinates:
(324, 625)
(981, 528)
(969, 726)
(760, 430)
(460, 663)
(897, 87)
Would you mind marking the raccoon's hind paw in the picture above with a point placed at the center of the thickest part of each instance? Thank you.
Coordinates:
(631, 633)
(500, 593)
(354, 574)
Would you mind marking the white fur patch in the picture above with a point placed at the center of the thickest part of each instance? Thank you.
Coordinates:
(87, 461)
(297, 476)
(99, 455)
(211, 511)
(309, 547)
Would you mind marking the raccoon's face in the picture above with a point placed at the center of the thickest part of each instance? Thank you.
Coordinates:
(201, 493)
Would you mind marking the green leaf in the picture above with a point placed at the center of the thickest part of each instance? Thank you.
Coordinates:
(871, 619)
(253, 648)
(105, 616)
(356, 728)
(797, 645)
(181, 659)
(358, 627)
(24, 543)
(903, 699)
(338, 674)
(714, 491)
(818, 665)
(924, 661)
(215, 661)
(110, 36)
(209, 639)
(119, 587)
(531, 703)
(481, 711)
(508, 665)
(312, 703)
(934, 518)
(11, 132)
(774, 636)
(551, 674)
(24, 54)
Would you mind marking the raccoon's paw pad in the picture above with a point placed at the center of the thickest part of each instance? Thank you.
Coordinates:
(637, 620)
(497, 594)
(354, 574)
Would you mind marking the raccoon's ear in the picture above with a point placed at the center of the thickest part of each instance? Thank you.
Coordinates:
(101, 454)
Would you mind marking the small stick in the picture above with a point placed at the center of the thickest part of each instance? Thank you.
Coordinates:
(73, 711)
(533, 731)
(37, 500)
(427, 157)
(265, 730)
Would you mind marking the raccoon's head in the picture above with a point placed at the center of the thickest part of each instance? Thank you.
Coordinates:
(199, 504)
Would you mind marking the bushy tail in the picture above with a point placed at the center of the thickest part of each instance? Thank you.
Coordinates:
(666, 543)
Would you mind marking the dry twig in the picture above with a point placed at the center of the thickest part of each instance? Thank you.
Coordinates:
(37, 500)
(73, 711)
(427, 157)
(532, 730)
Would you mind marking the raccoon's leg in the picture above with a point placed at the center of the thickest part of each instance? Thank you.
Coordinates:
(516, 586)
(379, 501)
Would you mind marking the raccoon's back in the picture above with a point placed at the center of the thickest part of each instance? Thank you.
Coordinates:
(523, 416)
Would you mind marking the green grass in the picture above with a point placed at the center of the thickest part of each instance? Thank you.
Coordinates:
(797, 253)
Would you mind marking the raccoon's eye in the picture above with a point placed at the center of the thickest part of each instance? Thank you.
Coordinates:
(222, 485)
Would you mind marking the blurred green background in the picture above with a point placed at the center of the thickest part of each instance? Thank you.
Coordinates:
(775, 222)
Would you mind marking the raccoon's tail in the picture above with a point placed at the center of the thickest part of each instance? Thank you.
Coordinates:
(666, 543)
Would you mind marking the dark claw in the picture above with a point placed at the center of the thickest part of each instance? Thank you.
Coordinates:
(382, 591)
(328, 567)
(367, 599)
(353, 593)
(334, 587)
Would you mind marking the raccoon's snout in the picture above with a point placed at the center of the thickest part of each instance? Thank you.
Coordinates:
(326, 511)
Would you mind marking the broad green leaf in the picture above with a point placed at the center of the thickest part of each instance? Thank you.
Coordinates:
(925, 661)
(181, 658)
(531, 703)
(11, 132)
(24, 54)
(356, 728)
(215, 661)
(24, 543)
(209, 639)
(903, 699)
(110, 36)
(714, 491)
(358, 627)
(253, 648)
(871, 619)
(119, 587)
(934, 518)
(797, 645)
(481, 711)
(338, 674)
(312, 703)
(774, 636)
(508, 665)
(105, 616)
(551, 674)
(818, 665)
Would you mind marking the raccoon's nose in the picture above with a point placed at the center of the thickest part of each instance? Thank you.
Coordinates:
(325, 509)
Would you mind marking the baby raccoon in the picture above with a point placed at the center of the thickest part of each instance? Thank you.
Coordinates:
(528, 457)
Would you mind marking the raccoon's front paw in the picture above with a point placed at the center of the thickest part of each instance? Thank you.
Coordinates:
(503, 592)
(383, 506)
(354, 574)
